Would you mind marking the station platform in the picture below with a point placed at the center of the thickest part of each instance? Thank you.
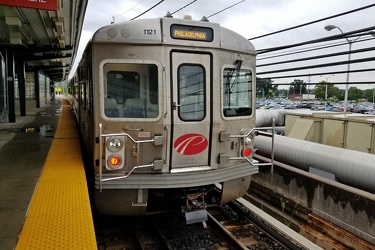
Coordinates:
(44, 200)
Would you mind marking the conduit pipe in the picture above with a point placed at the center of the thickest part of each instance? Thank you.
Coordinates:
(350, 167)
(263, 118)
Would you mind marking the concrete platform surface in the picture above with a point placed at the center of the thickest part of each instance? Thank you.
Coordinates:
(24, 146)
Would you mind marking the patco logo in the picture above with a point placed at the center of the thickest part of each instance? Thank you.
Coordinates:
(190, 144)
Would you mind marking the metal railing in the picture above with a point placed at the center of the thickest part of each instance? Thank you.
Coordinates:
(137, 166)
(257, 131)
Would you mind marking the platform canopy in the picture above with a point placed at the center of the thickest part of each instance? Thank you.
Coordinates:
(43, 33)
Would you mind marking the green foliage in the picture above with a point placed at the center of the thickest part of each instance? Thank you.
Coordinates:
(264, 87)
(369, 94)
(298, 86)
(320, 90)
(338, 94)
(354, 94)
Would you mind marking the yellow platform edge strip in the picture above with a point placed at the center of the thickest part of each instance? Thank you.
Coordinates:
(59, 216)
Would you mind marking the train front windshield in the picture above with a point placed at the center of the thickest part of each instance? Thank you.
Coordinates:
(237, 92)
(130, 90)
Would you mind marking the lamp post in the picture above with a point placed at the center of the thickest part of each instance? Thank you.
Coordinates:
(329, 28)
(326, 95)
(373, 93)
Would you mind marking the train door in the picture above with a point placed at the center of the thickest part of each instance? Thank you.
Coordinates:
(191, 111)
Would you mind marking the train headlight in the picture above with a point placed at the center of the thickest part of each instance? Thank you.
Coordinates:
(248, 140)
(115, 144)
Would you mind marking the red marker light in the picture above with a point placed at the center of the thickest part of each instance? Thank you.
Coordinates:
(246, 152)
(114, 161)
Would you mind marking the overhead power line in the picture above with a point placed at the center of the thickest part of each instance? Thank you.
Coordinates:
(147, 10)
(318, 57)
(226, 8)
(309, 49)
(329, 83)
(183, 7)
(316, 21)
(274, 70)
(129, 9)
(293, 51)
(321, 73)
(324, 39)
(368, 59)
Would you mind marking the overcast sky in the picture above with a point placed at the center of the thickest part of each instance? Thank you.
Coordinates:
(250, 18)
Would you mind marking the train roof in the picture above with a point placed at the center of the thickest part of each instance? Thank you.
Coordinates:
(174, 31)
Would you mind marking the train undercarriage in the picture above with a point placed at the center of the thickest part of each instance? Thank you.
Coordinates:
(192, 201)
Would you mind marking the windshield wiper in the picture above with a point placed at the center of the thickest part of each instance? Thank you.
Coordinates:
(238, 69)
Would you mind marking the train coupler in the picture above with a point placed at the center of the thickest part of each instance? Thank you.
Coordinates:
(195, 216)
(195, 208)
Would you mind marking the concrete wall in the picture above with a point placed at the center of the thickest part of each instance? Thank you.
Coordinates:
(351, 131)
(349, 208)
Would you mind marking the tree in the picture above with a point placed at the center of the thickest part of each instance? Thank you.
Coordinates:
(339, 94)
(297, 87)
(281, 92)
(264, 87)
(354, 93)
(320, 90)
(369, 94)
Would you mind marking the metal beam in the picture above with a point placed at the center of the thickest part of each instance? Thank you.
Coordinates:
(49, 67)
(32, 49)
(44, 57)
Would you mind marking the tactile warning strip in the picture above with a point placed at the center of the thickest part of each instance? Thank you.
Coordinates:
(59, 215)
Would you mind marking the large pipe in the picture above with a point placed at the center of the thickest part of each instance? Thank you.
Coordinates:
(264, 118)
(350, 167)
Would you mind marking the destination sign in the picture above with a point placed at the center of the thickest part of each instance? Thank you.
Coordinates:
(196, 33)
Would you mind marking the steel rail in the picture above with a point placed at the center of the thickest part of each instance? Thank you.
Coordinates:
(286, 236)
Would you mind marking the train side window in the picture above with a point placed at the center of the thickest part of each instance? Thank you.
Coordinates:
(191, 92)
(89, 92)
(83, 94)
(237, 91)
(3, 83)
(75, 91)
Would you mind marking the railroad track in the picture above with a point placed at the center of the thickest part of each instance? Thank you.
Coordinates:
(162, 231)
(237, 225)
(228, 227)
(241, 229)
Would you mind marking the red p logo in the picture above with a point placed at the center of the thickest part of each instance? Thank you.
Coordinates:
(190, 144)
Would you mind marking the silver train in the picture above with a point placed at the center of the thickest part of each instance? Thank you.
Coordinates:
(166, 108)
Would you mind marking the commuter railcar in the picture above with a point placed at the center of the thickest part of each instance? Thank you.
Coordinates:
(167, 109)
